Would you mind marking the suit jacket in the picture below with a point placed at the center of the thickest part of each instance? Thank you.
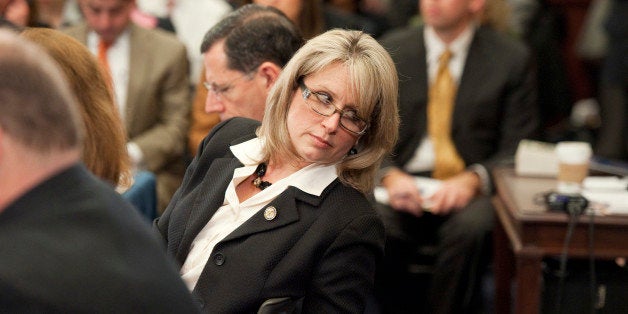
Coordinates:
(158, 99)
(73, 245)
(322, 250)
(495, 106)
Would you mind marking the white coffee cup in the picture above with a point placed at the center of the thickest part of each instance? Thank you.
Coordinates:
(573, 165)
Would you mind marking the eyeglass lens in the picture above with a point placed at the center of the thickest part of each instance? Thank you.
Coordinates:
(322, 105)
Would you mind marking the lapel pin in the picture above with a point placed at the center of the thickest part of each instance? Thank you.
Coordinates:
(270, 213)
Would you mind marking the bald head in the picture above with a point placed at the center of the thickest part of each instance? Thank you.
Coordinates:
(40, 127)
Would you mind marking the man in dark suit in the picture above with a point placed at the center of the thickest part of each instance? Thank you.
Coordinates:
(492, 107)
(237, 79)
(149, 69)
(69, 243)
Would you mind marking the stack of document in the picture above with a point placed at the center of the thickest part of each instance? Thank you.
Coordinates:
(608, 194)
(536, 159)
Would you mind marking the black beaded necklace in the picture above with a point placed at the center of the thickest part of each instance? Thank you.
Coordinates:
(260, 172)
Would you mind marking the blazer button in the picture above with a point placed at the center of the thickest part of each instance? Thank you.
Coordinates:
(201, 302)
(219, 259)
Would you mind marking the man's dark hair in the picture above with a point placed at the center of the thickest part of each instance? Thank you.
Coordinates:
(255, 34)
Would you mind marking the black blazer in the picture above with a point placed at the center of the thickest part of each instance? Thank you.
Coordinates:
(73, 245)
(322, 250)
(496, 104)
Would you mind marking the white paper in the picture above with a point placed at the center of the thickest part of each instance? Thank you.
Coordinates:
(426, 186)
(607, 194)
(537, 159)
(612, 202)
(607, 183)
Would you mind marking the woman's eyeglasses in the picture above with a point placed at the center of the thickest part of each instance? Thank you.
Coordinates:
(322, 104)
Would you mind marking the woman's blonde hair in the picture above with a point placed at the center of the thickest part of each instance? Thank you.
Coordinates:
(374, 84)
(104, 150)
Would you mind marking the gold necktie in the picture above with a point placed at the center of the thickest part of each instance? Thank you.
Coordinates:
(440, 109)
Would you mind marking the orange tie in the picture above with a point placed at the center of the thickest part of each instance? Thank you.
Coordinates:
(102, 54)
(440, 109)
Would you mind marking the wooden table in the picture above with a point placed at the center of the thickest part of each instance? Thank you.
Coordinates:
(526, 232)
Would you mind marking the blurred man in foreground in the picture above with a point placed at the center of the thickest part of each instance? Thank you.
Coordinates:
(69, 243)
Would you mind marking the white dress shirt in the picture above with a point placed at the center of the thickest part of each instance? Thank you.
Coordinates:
(191, 20)
(118, 57)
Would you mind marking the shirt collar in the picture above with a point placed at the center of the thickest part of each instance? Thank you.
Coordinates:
(459, 47)
(93, 39)
(312, 179)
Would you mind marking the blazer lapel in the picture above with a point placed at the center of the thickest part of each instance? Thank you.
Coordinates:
(83, 30)
(278, 213)
(408, 52)
(473, 75)
(282, 211)
(421, 79)
(138, 66)
(202, 207)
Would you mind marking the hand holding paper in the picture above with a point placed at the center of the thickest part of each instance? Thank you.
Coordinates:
(425, 187)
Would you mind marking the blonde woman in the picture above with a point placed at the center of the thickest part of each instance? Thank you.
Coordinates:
(279, 211)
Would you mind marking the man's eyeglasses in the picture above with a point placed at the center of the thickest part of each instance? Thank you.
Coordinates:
(322, 104)
(222, 89)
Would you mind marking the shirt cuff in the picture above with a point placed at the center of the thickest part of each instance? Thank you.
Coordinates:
(486, 187)
(136, 155)
(381, 173)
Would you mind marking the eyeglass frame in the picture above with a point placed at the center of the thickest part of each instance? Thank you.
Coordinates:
(219, 91)
(306, 92)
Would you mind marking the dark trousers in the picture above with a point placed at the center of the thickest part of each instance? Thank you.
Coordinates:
(463, 242)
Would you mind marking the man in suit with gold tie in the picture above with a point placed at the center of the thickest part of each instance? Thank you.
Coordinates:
(149, 69)
(467, 96)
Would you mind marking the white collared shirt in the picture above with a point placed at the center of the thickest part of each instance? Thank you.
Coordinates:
(423, 158)
(312, 179)
(119, 58)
